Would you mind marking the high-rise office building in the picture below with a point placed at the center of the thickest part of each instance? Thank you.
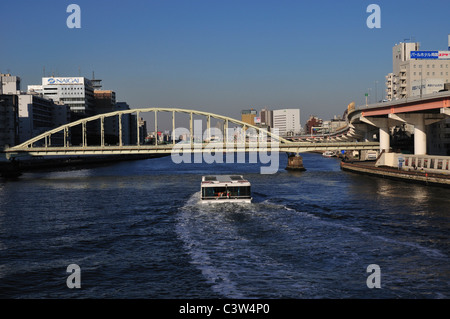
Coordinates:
(9, 127)
(416, 72)
(77, 92)
(287, 121)
(266, 118)
(105, 101)
(9, 110)
(26, 115)
(9, 84)
(38, 114)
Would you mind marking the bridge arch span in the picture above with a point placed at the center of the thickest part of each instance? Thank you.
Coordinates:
(46, 136)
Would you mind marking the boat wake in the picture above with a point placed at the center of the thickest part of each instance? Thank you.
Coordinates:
(222, 241)
(269, 250)
(195, 225)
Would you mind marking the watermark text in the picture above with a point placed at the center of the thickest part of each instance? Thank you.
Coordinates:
(374, 279)
(374, 19)
(74, 280)
(74, 19)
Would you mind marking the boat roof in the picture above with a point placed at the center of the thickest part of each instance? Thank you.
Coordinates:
(224, 179)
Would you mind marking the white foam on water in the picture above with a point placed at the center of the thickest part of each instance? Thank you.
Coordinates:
(230, 259)
(225, 257)
(190, 233)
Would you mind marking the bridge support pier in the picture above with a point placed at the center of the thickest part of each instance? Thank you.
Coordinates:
(385, 143)
(295, 163)
(420, 135)
(383, 125)
(420, 121)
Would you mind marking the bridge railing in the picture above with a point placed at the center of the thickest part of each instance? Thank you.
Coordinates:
(435, 164)
(410, 162)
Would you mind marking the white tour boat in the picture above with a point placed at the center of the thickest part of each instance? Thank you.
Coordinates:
(225, 189)
(329, 154)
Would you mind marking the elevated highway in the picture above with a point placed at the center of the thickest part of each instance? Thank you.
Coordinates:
(416, 111)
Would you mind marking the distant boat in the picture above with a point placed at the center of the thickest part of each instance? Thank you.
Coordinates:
(225, 189)
(329, 154)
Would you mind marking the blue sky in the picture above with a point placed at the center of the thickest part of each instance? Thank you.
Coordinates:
(220, 56)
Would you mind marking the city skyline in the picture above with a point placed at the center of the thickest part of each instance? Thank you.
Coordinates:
(220, 56)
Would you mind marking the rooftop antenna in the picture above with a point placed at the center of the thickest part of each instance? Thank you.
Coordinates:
(96, 83)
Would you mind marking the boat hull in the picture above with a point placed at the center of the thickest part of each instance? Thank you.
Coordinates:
(228, 200)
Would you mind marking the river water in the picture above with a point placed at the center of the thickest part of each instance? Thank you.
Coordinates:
(137, 230)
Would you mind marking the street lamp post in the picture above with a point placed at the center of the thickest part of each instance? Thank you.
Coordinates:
(376, 91)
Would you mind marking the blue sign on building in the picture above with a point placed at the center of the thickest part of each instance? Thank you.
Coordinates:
(424, 54)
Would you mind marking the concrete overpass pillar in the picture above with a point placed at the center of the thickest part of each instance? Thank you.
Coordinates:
(420, 135)
(385, 144)
(420, 121)
(383, 125)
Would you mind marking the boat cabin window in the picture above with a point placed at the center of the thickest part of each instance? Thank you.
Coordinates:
(233, 191)
(239, 191)
(213, 191)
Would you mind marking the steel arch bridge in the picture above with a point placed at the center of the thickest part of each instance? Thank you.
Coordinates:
(41, 145)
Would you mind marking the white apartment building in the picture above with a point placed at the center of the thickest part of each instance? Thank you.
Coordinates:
(77, 92)
(9, 84)
(417, 73)
(427, 86)
(287, 121)
(411, 66)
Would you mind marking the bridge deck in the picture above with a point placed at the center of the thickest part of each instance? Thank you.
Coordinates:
(294, 147)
